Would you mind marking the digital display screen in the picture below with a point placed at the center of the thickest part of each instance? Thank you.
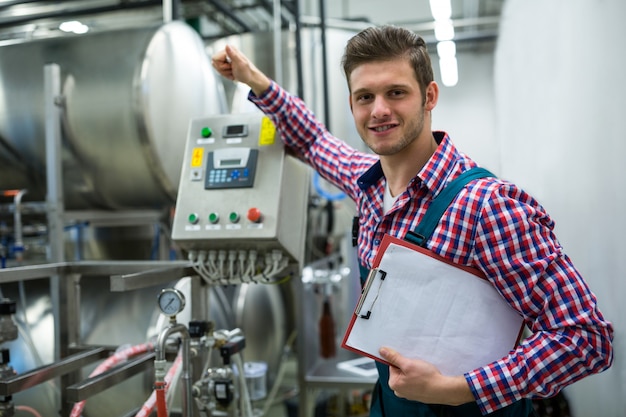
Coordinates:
(235, 130)
(230, 162)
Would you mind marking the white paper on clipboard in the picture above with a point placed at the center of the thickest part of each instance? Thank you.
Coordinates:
(427, 308)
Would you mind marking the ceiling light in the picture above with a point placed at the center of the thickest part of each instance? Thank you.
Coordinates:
(446, 49)
(448, 66)
(449, 71)
(441, 9)
(444, 30)
(74, 26)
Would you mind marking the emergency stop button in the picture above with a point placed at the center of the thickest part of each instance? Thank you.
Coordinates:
(254, 215)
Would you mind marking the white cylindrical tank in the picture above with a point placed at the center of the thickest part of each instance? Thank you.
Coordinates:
(128, 98)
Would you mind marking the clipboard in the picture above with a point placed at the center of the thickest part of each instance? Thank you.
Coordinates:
(426, 307)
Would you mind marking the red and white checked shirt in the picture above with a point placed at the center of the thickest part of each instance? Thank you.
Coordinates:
(492, 225)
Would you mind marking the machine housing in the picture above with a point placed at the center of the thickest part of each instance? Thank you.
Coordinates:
(239, 190)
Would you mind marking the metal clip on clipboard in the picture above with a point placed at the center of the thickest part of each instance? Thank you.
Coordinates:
(371, 277)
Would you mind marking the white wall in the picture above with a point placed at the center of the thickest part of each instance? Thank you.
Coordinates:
(561, 117)
(467, 110)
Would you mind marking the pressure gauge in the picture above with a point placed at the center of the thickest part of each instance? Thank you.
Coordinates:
(171, 301)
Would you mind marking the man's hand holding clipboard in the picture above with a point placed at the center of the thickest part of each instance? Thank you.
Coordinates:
(427, 308)
(418, 380)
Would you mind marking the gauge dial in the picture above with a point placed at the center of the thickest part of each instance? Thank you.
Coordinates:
(171, 301)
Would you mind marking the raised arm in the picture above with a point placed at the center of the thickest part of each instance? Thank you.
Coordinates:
(234, 65)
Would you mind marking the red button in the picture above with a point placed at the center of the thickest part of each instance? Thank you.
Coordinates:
(254, 215)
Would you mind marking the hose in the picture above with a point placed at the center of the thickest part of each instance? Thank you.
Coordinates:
(244, 399)
(110, 362)
(159, 388)
(28, 409)
(149, 405)
(287, 349)
(340, 195)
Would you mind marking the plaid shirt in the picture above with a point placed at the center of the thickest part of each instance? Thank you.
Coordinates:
(492, 225)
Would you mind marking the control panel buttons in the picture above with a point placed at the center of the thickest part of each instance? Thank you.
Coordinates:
(193, 218)
(206, 132)
(214, 218)
(254, 215)
(234, 217)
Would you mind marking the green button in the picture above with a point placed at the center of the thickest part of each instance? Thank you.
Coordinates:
(214, 218)
(234, 217)
(206, 132)
(193, 218)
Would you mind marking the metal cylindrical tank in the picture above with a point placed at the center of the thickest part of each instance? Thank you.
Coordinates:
(128, 97)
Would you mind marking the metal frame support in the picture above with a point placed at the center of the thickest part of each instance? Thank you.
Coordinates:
(54, 199)
(278, 55)
(54, 178)
(63, 294)
(139, 274)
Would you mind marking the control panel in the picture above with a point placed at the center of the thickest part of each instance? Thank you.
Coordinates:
(239, 190)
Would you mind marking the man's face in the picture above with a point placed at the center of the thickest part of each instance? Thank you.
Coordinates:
(387, 105)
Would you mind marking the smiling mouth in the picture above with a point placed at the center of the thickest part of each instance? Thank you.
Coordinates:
(382, 128)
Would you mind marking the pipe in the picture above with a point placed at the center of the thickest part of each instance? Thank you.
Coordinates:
(159, 362)
(324, 64)
(270, 7)
(8, 4)
(278, 54)
(299, 75)
(226, 10)
(168, 10)
(67, 12)
(19, 244)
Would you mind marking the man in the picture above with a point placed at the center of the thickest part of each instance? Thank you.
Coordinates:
(491, 225)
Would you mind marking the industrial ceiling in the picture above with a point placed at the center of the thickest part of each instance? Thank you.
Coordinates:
(474, 20)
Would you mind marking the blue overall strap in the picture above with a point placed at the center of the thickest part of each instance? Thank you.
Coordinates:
(439, 205)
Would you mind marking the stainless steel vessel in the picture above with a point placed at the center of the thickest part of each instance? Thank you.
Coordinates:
(128, 98)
